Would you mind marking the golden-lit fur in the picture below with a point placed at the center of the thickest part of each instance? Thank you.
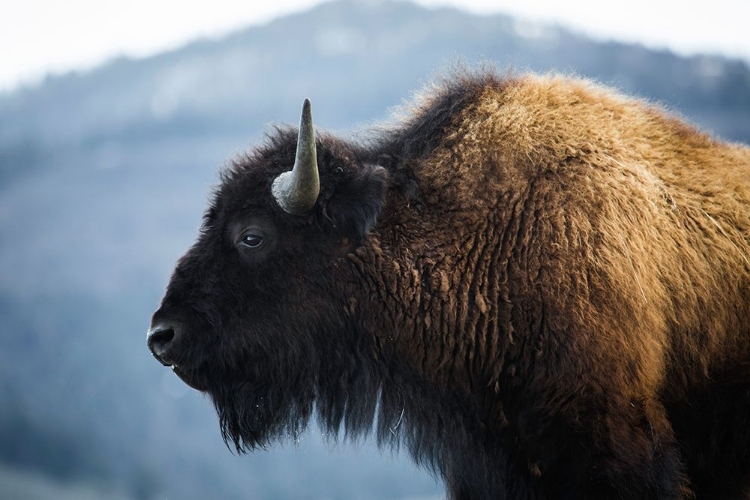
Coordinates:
(574, 257)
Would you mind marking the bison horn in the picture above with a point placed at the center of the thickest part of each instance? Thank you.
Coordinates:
(297, 191)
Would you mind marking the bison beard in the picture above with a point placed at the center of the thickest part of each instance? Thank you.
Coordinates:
(538, 286)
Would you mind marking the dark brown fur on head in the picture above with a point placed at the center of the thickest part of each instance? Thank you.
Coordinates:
(540, 285)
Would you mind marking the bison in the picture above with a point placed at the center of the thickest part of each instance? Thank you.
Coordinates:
(539, 286)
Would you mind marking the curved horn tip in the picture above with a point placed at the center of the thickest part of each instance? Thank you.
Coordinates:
(306, 118)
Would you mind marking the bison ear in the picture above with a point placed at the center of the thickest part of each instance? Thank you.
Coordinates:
(355, 205)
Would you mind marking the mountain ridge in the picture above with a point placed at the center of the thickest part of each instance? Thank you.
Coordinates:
(103, 178)
(210, 84)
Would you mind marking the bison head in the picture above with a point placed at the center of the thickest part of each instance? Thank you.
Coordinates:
(258, 312)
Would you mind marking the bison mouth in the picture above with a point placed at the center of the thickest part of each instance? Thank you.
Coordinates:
(190, 377)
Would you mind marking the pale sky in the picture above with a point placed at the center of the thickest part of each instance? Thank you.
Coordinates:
(41, 36)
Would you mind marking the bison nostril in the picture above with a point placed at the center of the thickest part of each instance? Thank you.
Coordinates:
(159, 339)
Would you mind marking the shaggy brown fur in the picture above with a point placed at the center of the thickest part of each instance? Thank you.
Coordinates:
(588, 247)
(554, 297)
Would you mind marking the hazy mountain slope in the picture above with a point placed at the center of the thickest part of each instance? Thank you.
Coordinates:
(353, 59)
(103, 178)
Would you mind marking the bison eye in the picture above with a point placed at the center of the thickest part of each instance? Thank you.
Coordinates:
(252, 241)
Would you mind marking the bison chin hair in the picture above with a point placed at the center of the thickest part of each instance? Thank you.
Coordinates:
(250, 418)
(351, 399)
(351, 396)
(254, 414)
(260, 405)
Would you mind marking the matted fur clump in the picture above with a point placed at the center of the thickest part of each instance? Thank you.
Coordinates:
(540, 286)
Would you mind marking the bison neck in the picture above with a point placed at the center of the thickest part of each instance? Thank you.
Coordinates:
(446, 288)
(436, 300)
